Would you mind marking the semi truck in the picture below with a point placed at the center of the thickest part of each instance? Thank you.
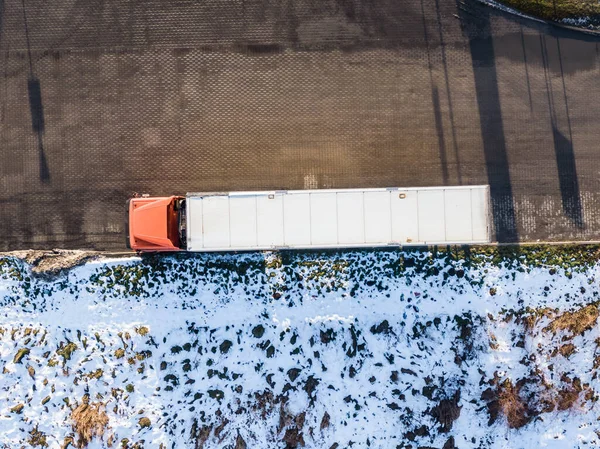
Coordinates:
(306, 219)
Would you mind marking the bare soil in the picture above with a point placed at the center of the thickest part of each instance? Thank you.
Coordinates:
(53, 262)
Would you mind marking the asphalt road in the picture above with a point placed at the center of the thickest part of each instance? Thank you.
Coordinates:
(100, 99)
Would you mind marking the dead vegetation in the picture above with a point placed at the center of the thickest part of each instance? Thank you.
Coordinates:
(52, 263)
(565, 350)
(535, 395)
(508, 399)
(144, 422)
(89, 421)
(556, 9)
(239, 442)
(531, 317)
(290, 428)
(512, 405)
(199, 435)
(447, 411)
(37, 438)
(576, 323)
(293, 426)
(529, 397)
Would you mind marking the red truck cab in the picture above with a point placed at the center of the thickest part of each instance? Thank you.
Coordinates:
(155, 223)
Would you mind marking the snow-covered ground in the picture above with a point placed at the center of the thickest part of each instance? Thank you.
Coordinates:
(378, 349)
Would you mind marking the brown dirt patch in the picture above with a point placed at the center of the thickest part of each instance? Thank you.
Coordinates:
(54, 262)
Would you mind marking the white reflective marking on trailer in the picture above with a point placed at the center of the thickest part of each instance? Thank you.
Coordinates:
(458, 215)
(405, 218)
(215, 216)
(296, 214)
(323, 218)
(377, 215)
(269, 210)
(242, 213)
(480, 214)
(431, 216)
(350, 218)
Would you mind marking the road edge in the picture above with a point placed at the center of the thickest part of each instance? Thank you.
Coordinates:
(552, 23)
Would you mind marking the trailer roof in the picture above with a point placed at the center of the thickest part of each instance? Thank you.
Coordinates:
(337, 218)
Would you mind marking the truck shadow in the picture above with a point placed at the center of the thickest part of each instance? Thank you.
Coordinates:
(476, 25)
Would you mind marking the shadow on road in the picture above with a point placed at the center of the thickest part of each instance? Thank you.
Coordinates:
(36, 108)
(448, 91)
(565, 160)
(1, 18)
(435, 99)
(563, 144)
(567, 178)
(439, 127)
(475, 21)
(37, 123)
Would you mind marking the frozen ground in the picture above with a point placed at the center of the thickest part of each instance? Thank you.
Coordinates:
(376, 349)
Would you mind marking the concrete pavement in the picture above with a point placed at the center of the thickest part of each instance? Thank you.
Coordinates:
(102, 99)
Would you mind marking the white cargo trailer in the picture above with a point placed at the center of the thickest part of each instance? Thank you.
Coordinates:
(346, 218)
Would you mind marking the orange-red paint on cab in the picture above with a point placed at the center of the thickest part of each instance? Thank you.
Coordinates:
(153, 224)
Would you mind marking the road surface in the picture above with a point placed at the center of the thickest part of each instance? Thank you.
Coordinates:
(100, 99)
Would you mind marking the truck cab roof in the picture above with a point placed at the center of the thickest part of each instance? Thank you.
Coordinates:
(153, 224)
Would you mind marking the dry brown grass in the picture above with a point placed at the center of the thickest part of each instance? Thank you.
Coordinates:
(512, 405)
(89, 421)
(144, 422)
(37, 438)
(575, 322)
(293, 425)
(447, 411)
(532, 396)
(142, 330)
(239, 442)
(200, 435)
(567, 350)
(533, 316)
(566, 398)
